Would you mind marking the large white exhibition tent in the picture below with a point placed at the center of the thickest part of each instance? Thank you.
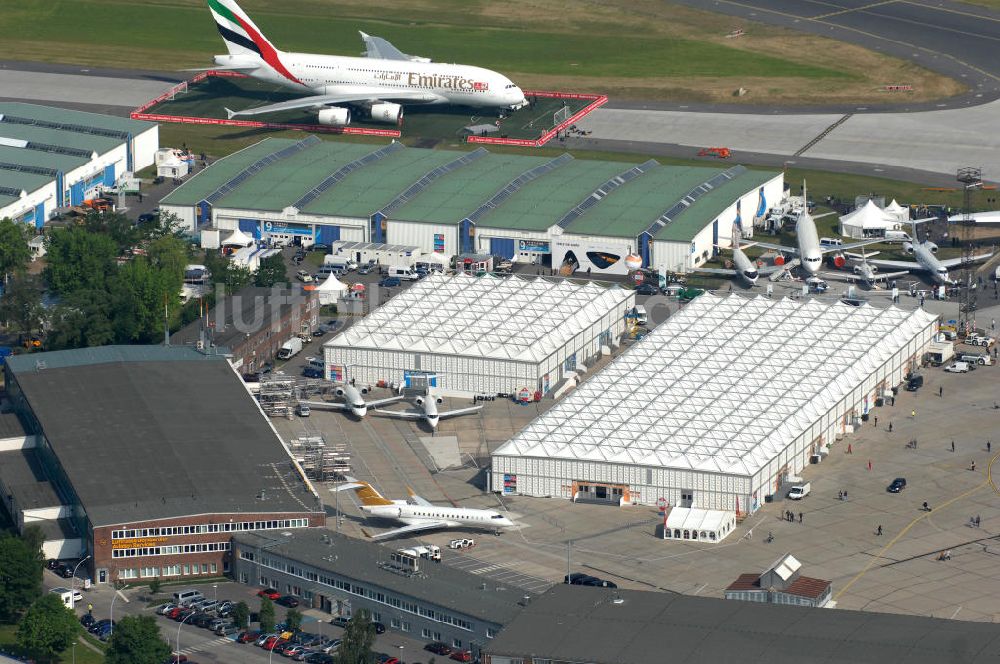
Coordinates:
(330, 290)
(869, 220)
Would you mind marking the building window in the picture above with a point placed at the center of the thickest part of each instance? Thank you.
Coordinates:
(456, 643)
(215, 568)
(187, 570)
(394, 623)
(490, 633)
(425, 633)
(405, 626)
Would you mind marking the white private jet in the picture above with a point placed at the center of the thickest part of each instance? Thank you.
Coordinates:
(808, 249)
(419, 514)
(926, 261)
(353, 402)
(428, 412)
(743, 268)
(863, 271)
(379, 84)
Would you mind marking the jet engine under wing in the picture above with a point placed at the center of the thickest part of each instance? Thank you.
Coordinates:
(405, 530)
(356, 94)
(956, 262)
(380, 49)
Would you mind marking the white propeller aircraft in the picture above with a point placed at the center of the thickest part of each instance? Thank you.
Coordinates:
(419, 514)
(428, 405)
(353, 402)
(379, 85)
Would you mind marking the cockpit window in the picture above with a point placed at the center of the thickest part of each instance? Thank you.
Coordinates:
(496, 516)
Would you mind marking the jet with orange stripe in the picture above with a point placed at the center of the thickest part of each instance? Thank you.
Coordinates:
(378, 85)
(419, 514)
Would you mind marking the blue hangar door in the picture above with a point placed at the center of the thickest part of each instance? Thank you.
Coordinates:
(500, 246)
(327, 234)
(251, 227)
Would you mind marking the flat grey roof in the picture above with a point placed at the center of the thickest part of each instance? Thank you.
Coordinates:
(580, 624)
(10, 426)
(22, 474)
(440, 584)
(152, 432)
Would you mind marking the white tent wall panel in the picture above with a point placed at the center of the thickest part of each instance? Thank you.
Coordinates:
(485, 235)
(422, 235)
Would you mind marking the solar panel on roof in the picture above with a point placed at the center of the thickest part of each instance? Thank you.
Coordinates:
(260, 165)
(688, 199)
(519, 182)
(80, 129)
(10, 191)
(344, 171)
(606, 189)
(423, 182)
(37, 170)
(58, 149)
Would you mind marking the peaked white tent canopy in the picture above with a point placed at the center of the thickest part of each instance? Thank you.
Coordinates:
(330, 290)
(238, 239)
(722, 400)
(897, 211)
(868, 221)
(483, 335)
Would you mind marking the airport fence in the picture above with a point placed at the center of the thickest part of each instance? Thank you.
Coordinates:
(596, 102)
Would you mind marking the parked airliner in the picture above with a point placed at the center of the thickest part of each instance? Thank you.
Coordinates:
(744, 268)
(379, 85)
(926, 261)
(428, 405)
(419, 514)
(353, 402)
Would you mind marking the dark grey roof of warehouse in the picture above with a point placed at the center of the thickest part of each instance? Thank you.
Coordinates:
(440, 584)
(152, 432)
(580, 624)
(253, 308)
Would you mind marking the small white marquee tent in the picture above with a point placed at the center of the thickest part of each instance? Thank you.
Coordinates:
(867, 221)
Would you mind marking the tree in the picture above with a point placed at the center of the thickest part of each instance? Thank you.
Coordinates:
(233, 276)
(14, 251)
(21, 305)
(82, 320)
(271, 271)
(154, 586)
(359, 636)
(293, 620)
(48, 627)
(137, 640)
(241, 615)
(20, 576)
(78, 259)
(266, 615)
(138, 294)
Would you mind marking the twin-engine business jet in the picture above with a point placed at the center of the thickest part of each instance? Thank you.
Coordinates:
(353, 401)
(379, 84)
(926, 261)
(428, 405)
(419, 514)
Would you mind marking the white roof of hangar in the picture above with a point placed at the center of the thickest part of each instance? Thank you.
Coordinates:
(722, 386)
(509, 318)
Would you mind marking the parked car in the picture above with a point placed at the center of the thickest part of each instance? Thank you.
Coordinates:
(227, 629)
(958, 367)
(302, 410)
(379, 627)
(389, 282)
(572, 578)
(462, 656)
(287, 600)
(52, 564)
(647, 289)
(269, 593)
(897, 485)
(340, 621)
(291, 649)
(438, 648)
(248, 636)
(164, 609)
(87, 620)
(320, 658)
(583, 580)
(304, 276)
(331, 645)
(203, 620)
(366, 269)
(65, 571)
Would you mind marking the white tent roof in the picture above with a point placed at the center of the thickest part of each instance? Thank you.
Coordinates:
(434, 257)
(692, 518)
(238, 239)
(869, 216)
(332, 284)
(894, 207)
(505, 318)
(724, 385)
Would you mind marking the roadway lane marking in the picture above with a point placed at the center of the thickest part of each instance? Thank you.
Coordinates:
(854, 9)
(881, 554)
(978, 17)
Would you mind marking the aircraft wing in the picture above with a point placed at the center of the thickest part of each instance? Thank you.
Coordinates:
(905, 265)
(715, 270)
(382, 402)
(771, 269)
(417, 500)
(852, 245)
(354, 94)
(778, 247)
(328, 405)
(380, 49)
(405, 530)
(401, 414)
(459, 411)
(956, 262)
(879, 276)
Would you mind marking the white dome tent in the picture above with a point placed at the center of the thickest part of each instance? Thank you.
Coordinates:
(330, 290)
(897, 211)
(867, 221)
(238, 239)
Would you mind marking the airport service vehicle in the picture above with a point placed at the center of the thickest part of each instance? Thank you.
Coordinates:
(353, 401)
(378, 85)
(342, 262)
(958, 367)
(926, 261)
(290, 348)
(940, 352)
(403, 273)
(462, 543)
(799, 491)
(419, 514)
(302, 410)
(980, 340)
(68, 597)
(897, 485)
(429, 413)
(973, 358)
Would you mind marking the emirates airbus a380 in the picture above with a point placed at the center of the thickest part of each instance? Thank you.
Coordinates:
(378, 85)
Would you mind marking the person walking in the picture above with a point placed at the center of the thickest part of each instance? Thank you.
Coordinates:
(890, 427)
(869, 464)
(940, 390)
(878, 531)
(953, 446)
(988, 445)
(876, 421)
(973, 466)
(800, 517)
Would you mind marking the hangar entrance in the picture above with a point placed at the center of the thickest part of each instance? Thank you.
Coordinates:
(600, 492)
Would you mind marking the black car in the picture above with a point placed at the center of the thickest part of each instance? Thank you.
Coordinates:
(379, 627)
(897, 485)
(438, 648)
(287, 600)
(646, 289)
(52, 564)
(87, 620)
(584, 580)
(203, 620)
(98, 626)
(600, 583)
(65, 571)
(573, 578)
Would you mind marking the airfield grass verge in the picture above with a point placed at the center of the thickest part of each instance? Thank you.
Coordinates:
(641, 49)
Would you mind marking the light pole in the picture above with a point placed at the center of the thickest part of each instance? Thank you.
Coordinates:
(111, 617)
(177, 654)
(400, 653)
(74, 652)
(72, 590)
(215, 590)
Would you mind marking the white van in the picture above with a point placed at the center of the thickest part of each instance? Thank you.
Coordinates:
(403, 273)
(68, 597)
(897, 236)
(185, 597)
(640, 314)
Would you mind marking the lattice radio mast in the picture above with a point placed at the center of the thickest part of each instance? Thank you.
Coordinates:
(972, 179)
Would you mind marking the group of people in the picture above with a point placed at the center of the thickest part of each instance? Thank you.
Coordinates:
(790, 516)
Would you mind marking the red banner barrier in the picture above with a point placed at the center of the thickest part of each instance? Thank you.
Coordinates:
(598, 101)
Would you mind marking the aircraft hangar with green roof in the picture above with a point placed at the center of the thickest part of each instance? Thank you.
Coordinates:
(557, 211)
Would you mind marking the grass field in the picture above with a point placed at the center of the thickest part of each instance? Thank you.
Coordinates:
(641, 48)
(82, 654)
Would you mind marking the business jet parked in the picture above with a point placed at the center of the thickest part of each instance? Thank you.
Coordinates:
(379, 85)
(353, 401)
(926, 261)
(863, 271)
(428, 405)
(419, 514)
(808, 249)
